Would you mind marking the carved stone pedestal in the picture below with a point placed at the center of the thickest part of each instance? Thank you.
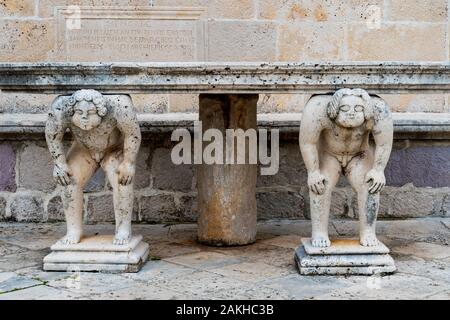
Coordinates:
(98, 254)
(343, 257)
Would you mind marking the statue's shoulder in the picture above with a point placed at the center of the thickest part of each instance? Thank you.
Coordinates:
(380, 109)
(60, 103)
(119, 104)
(60, 108)
(318, 104)
(118, 101)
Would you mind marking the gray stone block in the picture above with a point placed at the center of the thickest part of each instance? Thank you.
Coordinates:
(7, 165)
(422, 166)
(168, 176)
(36, 169)
(291, 171)
(143, 174)
(97, 182)
(287, 204)
(340, 203)
(100, 208)
(3, 204)
(55, 210)
(412, 203)
(159, 208)
(189, 208)
(445, 210)
(27, 208)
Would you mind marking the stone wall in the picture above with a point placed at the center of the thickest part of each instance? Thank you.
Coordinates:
(257, 30)
(240, 30)
(418, 178)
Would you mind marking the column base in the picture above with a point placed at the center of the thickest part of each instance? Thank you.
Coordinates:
(98, 254)
(343, 257)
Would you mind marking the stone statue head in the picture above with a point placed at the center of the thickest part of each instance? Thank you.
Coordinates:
(350, 108)
(87, 108)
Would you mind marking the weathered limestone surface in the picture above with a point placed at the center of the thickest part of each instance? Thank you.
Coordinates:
(226, 193)
(419, 10)
(131, 34)
(316, 10)
(217, 77)
(17, 8)
(309, 42)
(98, 253)
(364, 44)
(254, 42)
(27, 40)
(47, 7)
(343, 257)
(234, 9)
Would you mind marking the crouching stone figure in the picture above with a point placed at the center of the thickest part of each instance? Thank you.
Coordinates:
(335, 137)
(105, 134)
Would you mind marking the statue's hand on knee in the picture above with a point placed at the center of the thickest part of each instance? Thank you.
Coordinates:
(62, 174)
(376, 180)
(126, 172)
(317, 182)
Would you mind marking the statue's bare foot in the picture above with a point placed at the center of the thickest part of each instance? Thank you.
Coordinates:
(368, 239)
(71, 238)
(122, 238)
(320, 240)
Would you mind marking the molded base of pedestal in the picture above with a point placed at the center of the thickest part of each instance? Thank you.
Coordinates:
(98, 254)
(343, 257)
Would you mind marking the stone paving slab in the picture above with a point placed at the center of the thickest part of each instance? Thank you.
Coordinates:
(204, 260)
(251, 271)
(398, 286)
(86, 284)
(305, 287)
(425, 250)
(438, 270)
(156, 271)
(28, 258)
(284, 241)
(142, 291)
(180, 268)
(10, 281)
(427, 229)
(42, 293)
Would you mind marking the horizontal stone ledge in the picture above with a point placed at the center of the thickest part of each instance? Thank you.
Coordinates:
(382, 77)
(432, 125)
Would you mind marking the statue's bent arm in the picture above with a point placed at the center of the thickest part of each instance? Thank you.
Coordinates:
(54, 133)
(383, 132)
(127, 123)
(310, 130)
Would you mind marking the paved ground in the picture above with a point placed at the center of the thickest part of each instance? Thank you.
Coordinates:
(182, 269)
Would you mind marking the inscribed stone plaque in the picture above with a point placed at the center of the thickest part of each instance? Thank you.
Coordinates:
(131, 34)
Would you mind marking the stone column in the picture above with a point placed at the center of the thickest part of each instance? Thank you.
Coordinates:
(226, 193)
